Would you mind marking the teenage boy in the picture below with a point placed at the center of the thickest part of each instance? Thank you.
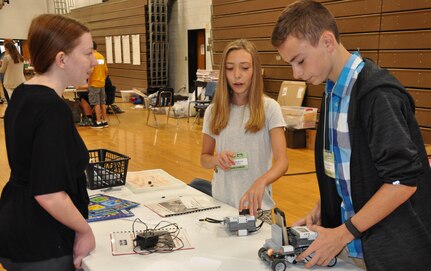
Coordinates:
(373, 174)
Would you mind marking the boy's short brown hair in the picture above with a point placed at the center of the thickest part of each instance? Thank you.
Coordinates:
(304, 19)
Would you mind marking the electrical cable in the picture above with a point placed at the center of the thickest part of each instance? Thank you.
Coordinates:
(211, 220)
(163, 238)
(259, 215)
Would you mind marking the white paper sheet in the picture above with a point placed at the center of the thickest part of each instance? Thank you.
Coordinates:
(117, 49)
(136, 50)
(109, 56)
(126, 49)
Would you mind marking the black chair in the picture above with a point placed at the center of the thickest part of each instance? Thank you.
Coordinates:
(201, 104)
(164, 99)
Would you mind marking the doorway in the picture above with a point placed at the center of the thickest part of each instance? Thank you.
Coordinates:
(196, 54)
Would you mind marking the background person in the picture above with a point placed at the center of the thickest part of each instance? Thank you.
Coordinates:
(84, 104)
(96, 89)
(45, 202)
(3, 93)
(373, 173)
(242, 121)
(13, 68)
(6, 96)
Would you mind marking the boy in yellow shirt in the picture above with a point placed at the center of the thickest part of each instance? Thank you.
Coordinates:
(96, 89)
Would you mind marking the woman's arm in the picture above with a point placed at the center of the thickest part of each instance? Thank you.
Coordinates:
(223, 160)
(252, 199)
(60, 206)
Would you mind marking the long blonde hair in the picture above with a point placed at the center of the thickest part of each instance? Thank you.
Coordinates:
(223, 94)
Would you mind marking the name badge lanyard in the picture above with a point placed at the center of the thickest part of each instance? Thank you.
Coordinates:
(356, 63)
(328, 140)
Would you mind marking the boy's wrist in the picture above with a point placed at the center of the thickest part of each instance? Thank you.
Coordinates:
(352, 229)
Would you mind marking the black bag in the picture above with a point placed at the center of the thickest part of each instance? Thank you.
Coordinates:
(110, 91)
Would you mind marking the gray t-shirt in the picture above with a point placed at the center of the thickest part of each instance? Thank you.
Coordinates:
(229, 186)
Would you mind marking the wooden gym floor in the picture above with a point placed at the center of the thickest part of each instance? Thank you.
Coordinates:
(176, 149)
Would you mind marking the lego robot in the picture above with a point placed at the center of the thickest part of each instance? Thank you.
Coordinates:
(242, 224)
(286, 244)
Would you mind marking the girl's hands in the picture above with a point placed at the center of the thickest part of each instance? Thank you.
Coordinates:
(252, 199)
(224, 160)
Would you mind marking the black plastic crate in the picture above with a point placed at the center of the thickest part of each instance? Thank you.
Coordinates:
(106, 169)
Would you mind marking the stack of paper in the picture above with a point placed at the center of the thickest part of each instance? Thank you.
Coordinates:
(183, 205)
(207, 75)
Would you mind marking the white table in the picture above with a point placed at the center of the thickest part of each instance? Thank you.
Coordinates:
(214, 248)
(75, 91)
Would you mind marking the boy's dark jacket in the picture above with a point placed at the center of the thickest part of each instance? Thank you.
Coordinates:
(387, 145)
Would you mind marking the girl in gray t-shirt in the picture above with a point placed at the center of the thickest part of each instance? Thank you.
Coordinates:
(243, 136)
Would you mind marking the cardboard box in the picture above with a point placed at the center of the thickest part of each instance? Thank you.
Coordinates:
(126, 94)
(291, 93)
(299, 117)
(134, 92)
(295, 138)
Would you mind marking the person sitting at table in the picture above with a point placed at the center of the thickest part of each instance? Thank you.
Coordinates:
(44, 205)
(243, 132)
(84, 104)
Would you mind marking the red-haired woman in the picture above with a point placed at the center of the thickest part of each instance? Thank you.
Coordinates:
(44, 205)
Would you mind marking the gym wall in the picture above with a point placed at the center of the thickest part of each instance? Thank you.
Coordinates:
(394, 33)
(116, 19)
